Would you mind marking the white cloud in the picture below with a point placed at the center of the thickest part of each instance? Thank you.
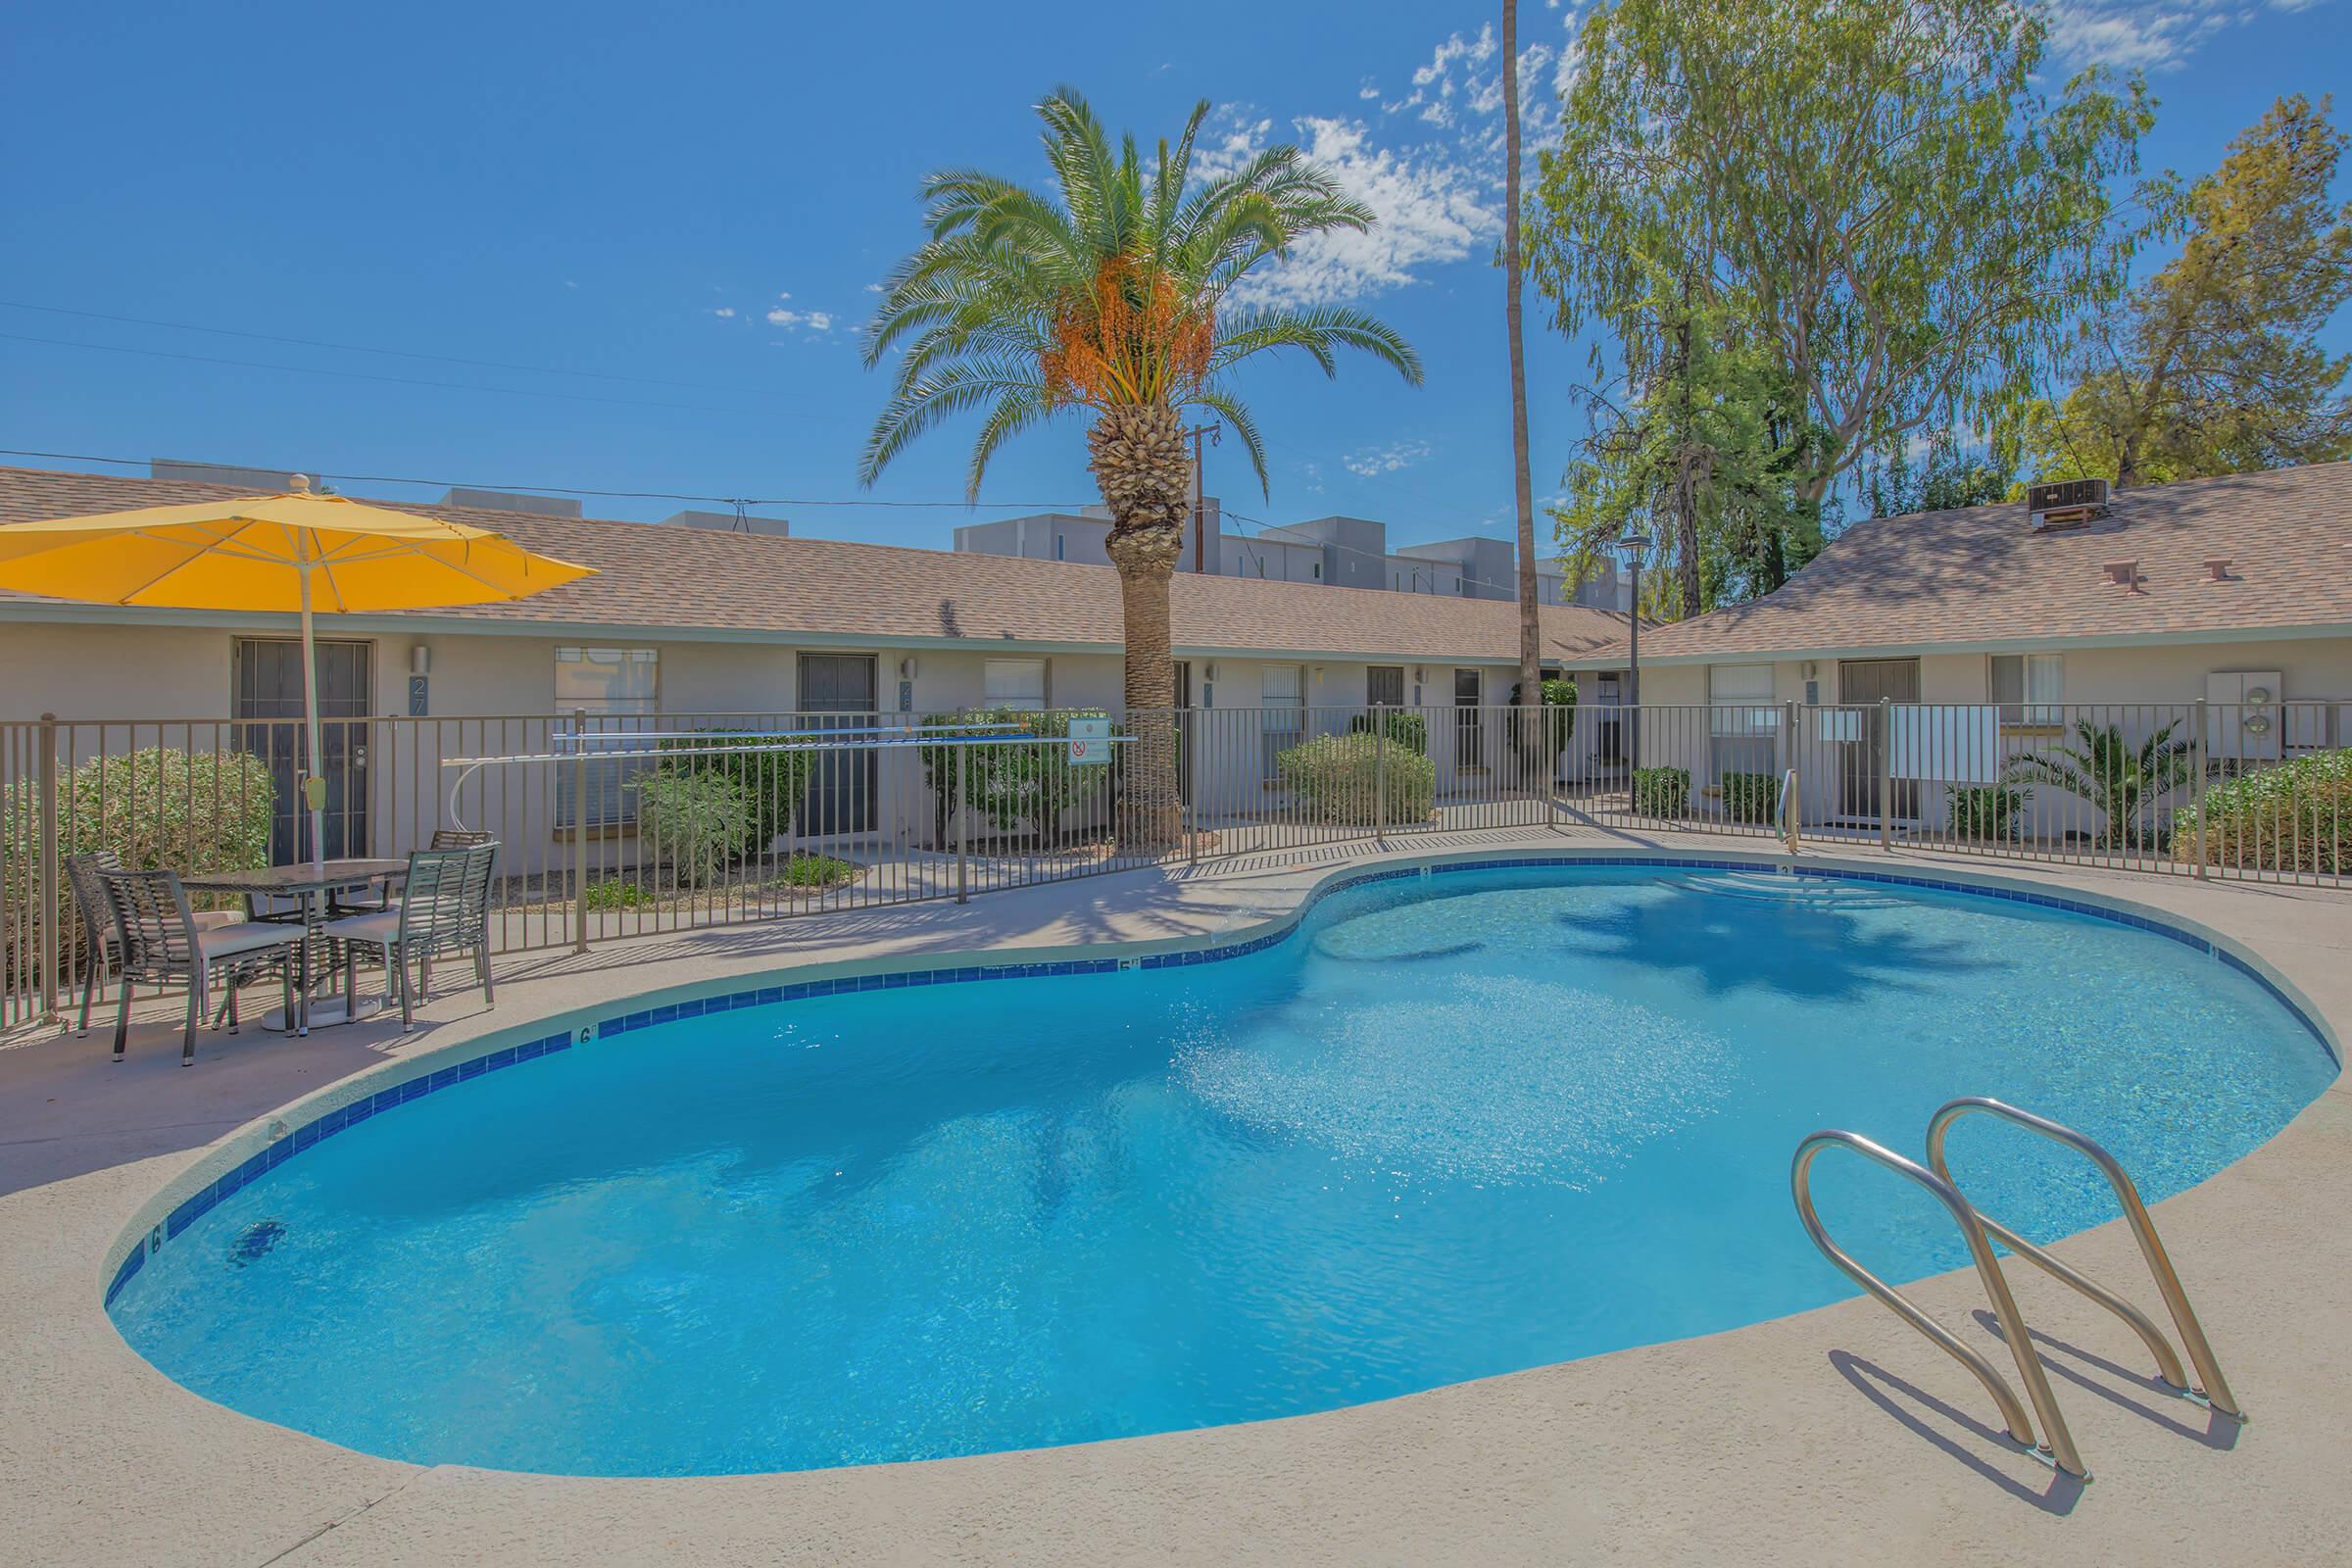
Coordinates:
(873, 288)
(819, 321)
(724, 312)
(1369, 462)
(809, 320)
(2154, 35)
(783, 318)
(784, 294)
(1433, 208)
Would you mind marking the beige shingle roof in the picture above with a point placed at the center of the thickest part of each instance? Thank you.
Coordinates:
(1981, 576)
(653, 579)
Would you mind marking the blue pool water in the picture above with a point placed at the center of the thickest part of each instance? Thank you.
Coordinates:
(1451, 1127)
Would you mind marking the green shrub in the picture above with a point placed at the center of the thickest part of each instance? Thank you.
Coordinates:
(161, 807)
(815, 871)
(2296, 817)
(1988, 813)
(1748, 797)
(1339, 778)
(698, 818)
(1404, 727)
(616, 893)
(1662, 792)
(1014, 784)
(772, 779)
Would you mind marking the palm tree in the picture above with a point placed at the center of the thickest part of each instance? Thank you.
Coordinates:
(2121, 780)
(1107, 296)
(1531, 646)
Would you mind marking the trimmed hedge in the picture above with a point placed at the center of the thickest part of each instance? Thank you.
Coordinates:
(1338, 778)
(1405, 728)
(2296, 817)
(1748, 797)
(1662, 791)
(1988, 813)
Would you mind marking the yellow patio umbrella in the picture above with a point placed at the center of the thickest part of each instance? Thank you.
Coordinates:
(293, 552)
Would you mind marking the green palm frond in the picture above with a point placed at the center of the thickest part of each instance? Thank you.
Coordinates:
(972, 314)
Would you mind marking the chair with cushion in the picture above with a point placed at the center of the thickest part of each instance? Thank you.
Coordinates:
(444, 909)
(102, 948)
(161, 941)
(444, 838)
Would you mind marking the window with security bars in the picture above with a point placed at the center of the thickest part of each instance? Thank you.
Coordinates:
(618, 690)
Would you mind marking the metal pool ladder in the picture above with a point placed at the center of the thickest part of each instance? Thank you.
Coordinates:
(1978, 1231)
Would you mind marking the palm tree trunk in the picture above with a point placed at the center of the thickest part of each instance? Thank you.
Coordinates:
(1531, 639)
(1138, 460)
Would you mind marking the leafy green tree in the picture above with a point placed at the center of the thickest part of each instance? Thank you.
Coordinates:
(2214, 364)
(1941, 478)
(1108, 295)
(1904, 218)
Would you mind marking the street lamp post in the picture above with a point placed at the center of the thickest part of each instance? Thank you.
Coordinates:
(1634, 544)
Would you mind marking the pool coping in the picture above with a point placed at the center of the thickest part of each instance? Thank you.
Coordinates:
(271, 1139)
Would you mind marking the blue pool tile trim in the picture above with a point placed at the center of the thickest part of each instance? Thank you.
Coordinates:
(311, 1134)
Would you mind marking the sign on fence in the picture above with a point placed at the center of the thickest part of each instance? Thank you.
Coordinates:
(1090, 742)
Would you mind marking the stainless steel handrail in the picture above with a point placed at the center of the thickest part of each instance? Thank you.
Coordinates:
(2060, 1444)
(2215, 1388)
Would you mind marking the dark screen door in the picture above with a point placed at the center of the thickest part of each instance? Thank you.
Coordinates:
(269, 687)
(1865, 683)
(841, 786)
(1469, 736)
(1383, 685)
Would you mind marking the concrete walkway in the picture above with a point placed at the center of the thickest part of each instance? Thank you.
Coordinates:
(1833, 1436)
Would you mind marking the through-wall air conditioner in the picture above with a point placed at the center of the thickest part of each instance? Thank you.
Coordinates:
(2064, 503)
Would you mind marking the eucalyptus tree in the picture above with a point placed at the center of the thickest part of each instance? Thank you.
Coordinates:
(1906, 218)
(2214, 364)
(1109, 296)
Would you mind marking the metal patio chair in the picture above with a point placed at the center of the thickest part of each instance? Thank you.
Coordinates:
(160, 941)
(103, 949)
(444, 911)
(444, 838)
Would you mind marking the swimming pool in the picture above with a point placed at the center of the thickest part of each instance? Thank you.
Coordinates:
(1449, 1126)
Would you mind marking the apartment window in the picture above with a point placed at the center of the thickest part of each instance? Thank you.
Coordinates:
(1317, 573)
(1015, 683)
(2029, 687)
(1383, 685)
(1742, 718)
(618, 689)
(1057, 547)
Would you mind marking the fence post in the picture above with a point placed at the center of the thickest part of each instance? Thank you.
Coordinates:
(1886, 774)
(1792, 779)
(2196, 780)
(1191, 733)
(45, 905)
(1380, 775)
(962, 888)
(579, 830)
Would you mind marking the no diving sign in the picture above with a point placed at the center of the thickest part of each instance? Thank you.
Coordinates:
(1090, 742)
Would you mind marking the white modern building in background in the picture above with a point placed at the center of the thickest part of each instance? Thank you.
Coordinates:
(1339, 552)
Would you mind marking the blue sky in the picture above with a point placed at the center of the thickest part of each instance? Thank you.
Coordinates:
(684, 207)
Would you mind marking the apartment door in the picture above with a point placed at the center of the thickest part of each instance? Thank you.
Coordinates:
(841, 785)
(1383, 685)
(1867, 683)
(267, 674)
(1469, 728)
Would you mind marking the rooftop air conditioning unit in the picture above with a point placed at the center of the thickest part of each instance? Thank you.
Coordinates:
(2065, 504)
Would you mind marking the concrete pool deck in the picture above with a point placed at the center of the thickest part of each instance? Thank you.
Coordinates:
(1833, 1436)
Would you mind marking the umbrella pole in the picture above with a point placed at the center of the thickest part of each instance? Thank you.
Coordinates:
(314, 785)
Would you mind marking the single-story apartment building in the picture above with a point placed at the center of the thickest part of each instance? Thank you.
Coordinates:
(704, 625)
(2008, 627)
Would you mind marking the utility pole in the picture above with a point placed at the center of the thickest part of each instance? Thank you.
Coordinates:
(1216, 437)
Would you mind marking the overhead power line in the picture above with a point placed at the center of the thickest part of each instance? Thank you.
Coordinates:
(403, 354)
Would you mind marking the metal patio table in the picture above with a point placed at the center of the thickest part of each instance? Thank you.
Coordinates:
(310, 884)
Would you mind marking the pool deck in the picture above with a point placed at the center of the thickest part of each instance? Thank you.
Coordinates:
(1835, 1436)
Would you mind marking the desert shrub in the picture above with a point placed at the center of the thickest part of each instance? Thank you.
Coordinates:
(772, 779)
(2296, 817)
(699, 817)
(1339, 778)
(815, 871)
(161, 807)
(616, 893)
(1662, 791)
(1019, 783)
(1988, 813)
(1748, 797)
(1403, 726)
